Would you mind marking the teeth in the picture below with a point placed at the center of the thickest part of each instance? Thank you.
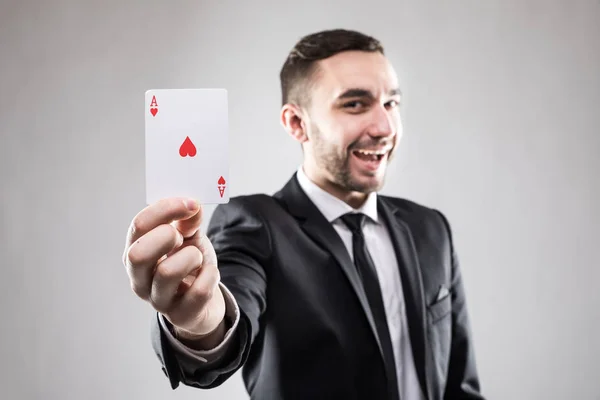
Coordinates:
(372, 153)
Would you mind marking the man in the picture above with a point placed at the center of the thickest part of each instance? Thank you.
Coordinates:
(324, 290)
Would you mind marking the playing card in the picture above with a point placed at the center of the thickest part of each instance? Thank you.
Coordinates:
(187, 152)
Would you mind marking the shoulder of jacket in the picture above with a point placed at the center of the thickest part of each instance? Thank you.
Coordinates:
(414, 212)
(408, 205)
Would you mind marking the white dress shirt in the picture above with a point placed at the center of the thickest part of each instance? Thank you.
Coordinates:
(380, 246)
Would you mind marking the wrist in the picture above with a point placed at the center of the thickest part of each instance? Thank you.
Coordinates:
(180, 333)
(211, 331)
(205, 341)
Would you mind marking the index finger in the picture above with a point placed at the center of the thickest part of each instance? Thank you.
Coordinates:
(163, 211)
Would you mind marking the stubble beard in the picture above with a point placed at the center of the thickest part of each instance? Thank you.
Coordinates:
(337, 163)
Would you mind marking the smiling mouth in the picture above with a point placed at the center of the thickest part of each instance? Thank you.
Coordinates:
(371, 155)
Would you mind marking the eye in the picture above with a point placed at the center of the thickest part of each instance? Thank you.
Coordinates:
(356, 104)
(392, 104)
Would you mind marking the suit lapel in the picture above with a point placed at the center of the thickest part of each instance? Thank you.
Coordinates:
(412, 284)
(323, 233)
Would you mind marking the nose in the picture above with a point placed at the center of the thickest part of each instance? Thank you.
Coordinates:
(382, 124)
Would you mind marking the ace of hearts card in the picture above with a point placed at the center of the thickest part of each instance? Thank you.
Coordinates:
(187, 152)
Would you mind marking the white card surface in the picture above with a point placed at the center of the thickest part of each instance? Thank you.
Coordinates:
(187, 151)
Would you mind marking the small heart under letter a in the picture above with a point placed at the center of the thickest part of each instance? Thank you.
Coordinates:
(153, 106)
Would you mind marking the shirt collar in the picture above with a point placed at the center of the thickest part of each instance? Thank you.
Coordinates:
(332, 207)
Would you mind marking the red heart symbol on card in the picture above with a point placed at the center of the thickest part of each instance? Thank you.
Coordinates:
(187, 148)
(153, 111)
(221, 185)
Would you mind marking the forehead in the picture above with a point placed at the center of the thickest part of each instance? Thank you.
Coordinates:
(355, 70)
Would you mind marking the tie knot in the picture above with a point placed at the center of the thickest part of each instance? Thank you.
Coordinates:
(354, 221)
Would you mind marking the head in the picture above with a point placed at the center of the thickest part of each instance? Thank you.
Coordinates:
(340, 100)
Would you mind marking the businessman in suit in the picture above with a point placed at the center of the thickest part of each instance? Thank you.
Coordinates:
(325, 290)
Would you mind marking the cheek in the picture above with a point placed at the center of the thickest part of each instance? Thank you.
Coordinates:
(339, 131)
(397, 121)
(334, 135)
(351, 130)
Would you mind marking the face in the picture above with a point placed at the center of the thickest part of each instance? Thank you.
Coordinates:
(352, 125)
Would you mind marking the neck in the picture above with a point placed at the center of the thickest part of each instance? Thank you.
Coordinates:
(352, 198)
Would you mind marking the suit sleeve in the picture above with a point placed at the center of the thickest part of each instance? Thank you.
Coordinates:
(243, 247)
(463, 380)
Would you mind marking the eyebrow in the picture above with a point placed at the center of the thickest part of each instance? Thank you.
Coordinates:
(355, 92)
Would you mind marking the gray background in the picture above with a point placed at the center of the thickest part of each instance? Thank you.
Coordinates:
(501, 133)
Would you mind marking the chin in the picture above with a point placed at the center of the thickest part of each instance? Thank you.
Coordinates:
(367, 184)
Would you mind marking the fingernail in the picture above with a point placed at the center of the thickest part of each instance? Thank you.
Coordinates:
(191, 204)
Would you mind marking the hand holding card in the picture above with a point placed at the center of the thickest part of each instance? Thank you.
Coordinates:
(187, 152)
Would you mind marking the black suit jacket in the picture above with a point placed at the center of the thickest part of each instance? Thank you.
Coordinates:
(306, 331)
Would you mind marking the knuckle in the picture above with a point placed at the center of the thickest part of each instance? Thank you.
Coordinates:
(202, 293)
(166, 272)
(166, 236)
(137, 226)
(160, 299)
(192, 255)
(174, 235)
(133, 257)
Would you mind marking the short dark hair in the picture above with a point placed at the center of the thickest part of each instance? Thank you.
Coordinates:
(299, 67)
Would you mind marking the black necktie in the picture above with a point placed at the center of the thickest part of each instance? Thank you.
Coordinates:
(368, 274)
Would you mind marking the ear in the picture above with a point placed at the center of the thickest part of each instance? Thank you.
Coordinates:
(294, 122)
